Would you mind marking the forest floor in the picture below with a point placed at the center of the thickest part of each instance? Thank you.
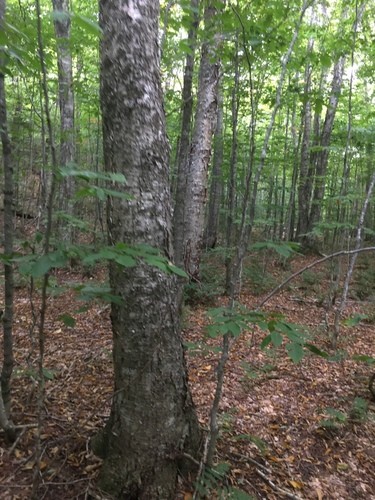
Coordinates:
(273, 435)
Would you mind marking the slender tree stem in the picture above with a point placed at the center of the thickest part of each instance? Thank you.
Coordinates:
(46, 247)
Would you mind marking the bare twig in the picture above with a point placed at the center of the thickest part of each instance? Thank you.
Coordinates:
(277, 488)
(251, 460)
(201, 467)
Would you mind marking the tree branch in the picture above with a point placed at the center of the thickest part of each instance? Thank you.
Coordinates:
(313, 264)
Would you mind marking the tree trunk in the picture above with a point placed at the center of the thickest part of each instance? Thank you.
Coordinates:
(291, 209)
(353, 258)
(186, 121)
(216, 188)
(250, 197)
(188, 223)
(152, 418)
(304, 187)
(66, 103)
(325, 140)
(8, 361)
(232, 175)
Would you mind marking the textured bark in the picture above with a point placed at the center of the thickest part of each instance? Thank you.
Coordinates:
(325, 140)
(8, 361)
(188, 222)
(304, 187)
(231, 188)
(216, 188)
(66, 103)
(186, 120)
(152, 418)
(291, 209)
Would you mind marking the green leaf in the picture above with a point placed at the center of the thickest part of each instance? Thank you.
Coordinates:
(48, 374)
(60, 16)
(213, 331)
(117, 194)
(125, 260)
(82, 225)
(177, 270)
(336, 415)
(234, 328)
(325, 60)
(295, 351)
(364, 358)
(91, 292)
(265, 342)
(41, 266)
(87, 24)
(277, 338)
(67, 320)
(262, 445)
(38, 237)
(354, 320)
(312, 348)
(156, 261)
(89, 175)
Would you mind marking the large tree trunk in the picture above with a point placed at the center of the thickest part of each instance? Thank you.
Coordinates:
(152, 418)
(186, 115)
(216, 188)
(188, 223)
(8, 360)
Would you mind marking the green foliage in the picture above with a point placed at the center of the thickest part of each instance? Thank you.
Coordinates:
(48, 374)
(364, 358)
(259, 443)
(364, 281)
(295, 336)
(354, 320)
(212, 483)
(335, 419)
(359, 410)
(68, 320)
(310, 278)
(129, 255)
(36, 266)
(254, 372)
(211, 281)
(284, 249)
(86, 24)
(96, 292)
(233, 321)
(261, 281)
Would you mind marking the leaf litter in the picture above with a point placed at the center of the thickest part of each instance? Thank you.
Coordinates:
(272, 412)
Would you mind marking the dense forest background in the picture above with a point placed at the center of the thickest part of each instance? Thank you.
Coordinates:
(269, 168)
(290, 79)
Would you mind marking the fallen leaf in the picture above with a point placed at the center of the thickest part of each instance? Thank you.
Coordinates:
(297, 485)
